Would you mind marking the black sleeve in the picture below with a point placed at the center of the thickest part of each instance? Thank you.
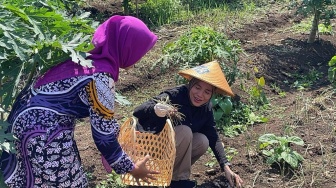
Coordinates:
(215, 143)
(147, 119)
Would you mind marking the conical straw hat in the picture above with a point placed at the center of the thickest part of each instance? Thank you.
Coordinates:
(210, 73)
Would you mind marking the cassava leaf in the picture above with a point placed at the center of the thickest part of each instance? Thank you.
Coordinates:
(296, 140)
(290, 158)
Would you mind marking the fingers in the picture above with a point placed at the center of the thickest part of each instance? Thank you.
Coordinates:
(151, 177)
(239, 181)
(146, 158)
(160, 110)
(146, 180)
(230, 178)
(138, 181)
(154, 172)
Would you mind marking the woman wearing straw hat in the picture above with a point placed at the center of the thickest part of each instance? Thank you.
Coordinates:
(196, 130)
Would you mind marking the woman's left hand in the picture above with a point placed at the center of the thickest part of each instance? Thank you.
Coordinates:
(233, 178)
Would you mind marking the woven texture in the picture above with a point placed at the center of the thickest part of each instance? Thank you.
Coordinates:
(210, 73)
(161, 148)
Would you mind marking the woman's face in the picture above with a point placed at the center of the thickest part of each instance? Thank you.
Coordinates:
(200, 93)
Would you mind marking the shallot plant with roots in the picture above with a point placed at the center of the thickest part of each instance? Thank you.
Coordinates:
(174, 115)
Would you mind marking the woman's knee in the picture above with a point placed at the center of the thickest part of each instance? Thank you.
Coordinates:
(201, 142)
(183, 132)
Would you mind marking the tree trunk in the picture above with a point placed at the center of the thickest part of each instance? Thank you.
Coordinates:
(137, 10)
(314, 28)
(126, 8)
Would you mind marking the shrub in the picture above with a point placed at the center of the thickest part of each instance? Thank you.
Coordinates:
(201, 45)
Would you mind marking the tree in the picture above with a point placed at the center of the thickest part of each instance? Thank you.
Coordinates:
(320, 9)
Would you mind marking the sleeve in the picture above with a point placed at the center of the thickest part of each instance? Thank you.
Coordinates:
(99, 96)
(147, 119)
(215, 143)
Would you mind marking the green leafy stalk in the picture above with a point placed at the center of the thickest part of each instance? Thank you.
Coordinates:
(277, 149)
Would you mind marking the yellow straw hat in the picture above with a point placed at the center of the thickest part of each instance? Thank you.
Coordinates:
(210, 73)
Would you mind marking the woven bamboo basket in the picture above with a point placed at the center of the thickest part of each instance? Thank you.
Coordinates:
(161, 148)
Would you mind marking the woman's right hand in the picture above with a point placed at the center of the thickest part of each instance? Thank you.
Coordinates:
(233, 178)
(140, 171)
(162, 110)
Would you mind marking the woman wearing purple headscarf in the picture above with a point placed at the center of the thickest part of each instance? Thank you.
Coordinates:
(43, 115)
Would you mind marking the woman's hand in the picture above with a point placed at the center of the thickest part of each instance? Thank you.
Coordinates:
(233, 178)
(162, 110)
(141, 172)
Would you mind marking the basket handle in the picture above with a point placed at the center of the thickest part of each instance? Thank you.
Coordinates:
(131, 123)
(168, 121)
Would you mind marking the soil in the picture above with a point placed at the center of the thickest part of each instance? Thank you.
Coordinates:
(280, 55)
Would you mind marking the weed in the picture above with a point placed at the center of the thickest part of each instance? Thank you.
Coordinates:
(304, 81)
(159, 12)
(278, 90)
(230, 153)
(277, 150)
(113, 181)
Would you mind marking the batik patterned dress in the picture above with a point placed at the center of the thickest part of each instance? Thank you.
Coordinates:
(43, 120)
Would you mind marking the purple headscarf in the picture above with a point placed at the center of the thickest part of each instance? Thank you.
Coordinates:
(119, 42)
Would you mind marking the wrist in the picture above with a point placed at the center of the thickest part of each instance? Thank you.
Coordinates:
(133, 172)
(227, 169)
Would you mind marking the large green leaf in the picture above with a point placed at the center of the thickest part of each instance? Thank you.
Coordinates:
(226, 106)
(218, 114)
(332, 62)
(298, 156)
(290, 158)
(295, 140)
(269, 138)
(6, 139)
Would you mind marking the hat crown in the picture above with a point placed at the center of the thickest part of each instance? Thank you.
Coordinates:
(210, 73)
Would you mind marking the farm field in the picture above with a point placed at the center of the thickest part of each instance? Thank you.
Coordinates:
(280, 53)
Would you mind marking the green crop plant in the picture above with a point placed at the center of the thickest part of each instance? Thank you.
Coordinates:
(277, 150)
(257, 94)
(201, 45)
(221, 106)
(233, 116)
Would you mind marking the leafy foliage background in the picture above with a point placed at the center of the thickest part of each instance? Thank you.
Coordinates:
(36, 35)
